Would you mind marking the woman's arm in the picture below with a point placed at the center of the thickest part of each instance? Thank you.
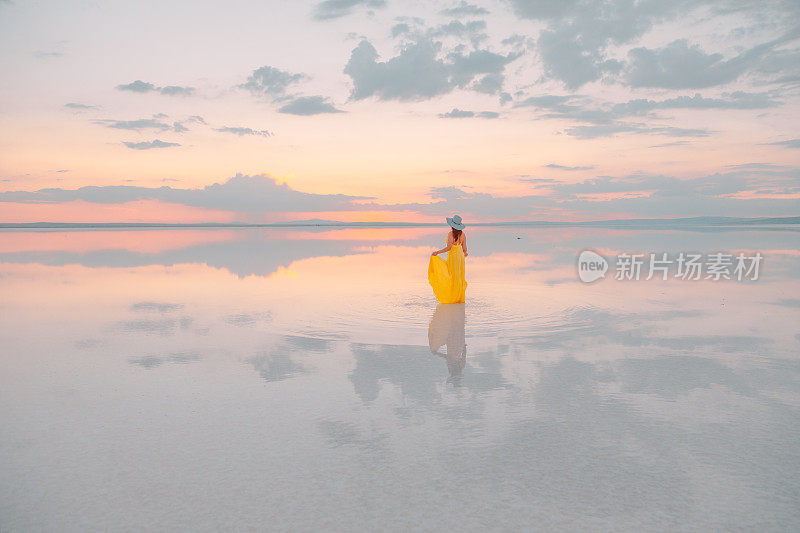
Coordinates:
(446, 248)
(464, 244)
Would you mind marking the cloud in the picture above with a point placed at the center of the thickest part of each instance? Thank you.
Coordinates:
(490, 84)
(720, 194)
(175, 90)
(145, 145)
(308, 105)
(680, 66)
(244, 131)
(473, 30)
(735, 100)
(142, 87)
(594, 131)
(271, 81)
(333, 9)
(458, 113)
(417, 72)
(137, 86)
(73, 105)
(400, 29)
(791, 143)
(565, 58)
(47, 55)
(137, 125)
(562, 167)
(154, 123)
(258, 193)
(750, 191)
(464, 10)
(577, 35)
(593, 120)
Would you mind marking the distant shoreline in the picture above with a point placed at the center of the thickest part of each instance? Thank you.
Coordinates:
(643, 223)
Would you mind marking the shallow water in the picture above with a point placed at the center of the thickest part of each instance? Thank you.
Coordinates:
(284, 379)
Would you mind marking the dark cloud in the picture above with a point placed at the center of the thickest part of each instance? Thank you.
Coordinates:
(415, 74)
(791, 143)
(156, 123)
(142, 87)
(562, 167)
(244, 131)
(787, 302)
(638, 194)
(489, 84)
(137, 125)
(73, 105)
(47, 55)
(418, 72)
(680, 66)
(147, 145)
(459, 113)
(464, 10)
(308, 105)
(593, 120)
(596, 119)
(137, 86)
(473, 30)
(465, 68)
(400, 29)
(240, 193)
(733, 193)
(577, 34)
(175, 90)
(333, 9)
(593, 131)
(271, 81)
(735, 100)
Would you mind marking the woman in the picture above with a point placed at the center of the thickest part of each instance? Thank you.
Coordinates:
(447, 277)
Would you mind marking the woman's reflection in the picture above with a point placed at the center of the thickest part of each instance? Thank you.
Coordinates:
(446, 328)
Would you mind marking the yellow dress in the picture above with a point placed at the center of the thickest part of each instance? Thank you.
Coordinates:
(447, 277)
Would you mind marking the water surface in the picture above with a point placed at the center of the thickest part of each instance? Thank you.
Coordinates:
(307, 380)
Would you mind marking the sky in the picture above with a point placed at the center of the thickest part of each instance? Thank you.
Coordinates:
(382, 110)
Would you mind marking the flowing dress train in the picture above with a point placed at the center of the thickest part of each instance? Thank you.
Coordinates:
(447, 277)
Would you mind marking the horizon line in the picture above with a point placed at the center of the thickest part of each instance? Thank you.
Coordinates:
(692, 221)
